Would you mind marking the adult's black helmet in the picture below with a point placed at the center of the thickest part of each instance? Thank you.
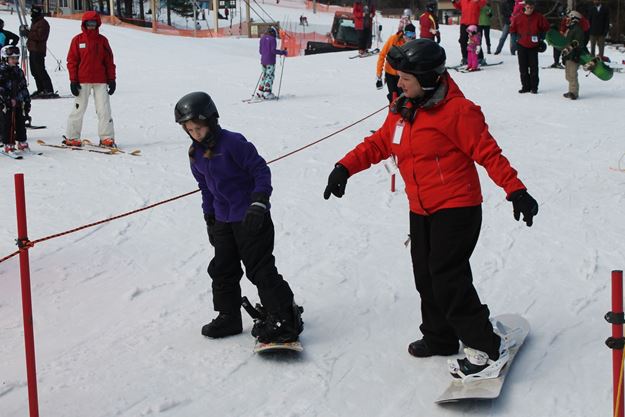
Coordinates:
(196, 105)
(36, 11)
(423, 58)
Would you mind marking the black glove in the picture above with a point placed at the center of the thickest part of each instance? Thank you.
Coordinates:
(210, 227)
(524, 203)
(112, 86)
(378, 83)
(75, 87)
(255, 214)
(336, 182)
(24, 31)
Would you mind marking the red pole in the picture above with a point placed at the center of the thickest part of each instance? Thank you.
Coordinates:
(617, 334)
(393, 183)
(27, 309)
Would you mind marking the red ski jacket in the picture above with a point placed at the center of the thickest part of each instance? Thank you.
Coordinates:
(437, 152)
(470, 10)
(530, 28)
(426, 24)
(90, 58)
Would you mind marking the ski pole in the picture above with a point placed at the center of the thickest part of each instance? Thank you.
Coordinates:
(257, 82)
(59, 64)
(281, 71)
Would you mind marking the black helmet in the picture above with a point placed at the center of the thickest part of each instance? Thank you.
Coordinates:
(423, 58)
(430, 7)
(197, 105)
(36, 11)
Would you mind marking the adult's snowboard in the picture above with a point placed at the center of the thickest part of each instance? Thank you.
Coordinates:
(516, 328)
(586, 60)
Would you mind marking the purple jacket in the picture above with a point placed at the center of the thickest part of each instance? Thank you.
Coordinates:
(268, 51)
(229, 178)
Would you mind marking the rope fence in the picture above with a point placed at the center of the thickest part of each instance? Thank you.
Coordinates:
(26, 244)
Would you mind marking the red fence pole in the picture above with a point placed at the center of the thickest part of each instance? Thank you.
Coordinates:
(617, 336)
(27, 310)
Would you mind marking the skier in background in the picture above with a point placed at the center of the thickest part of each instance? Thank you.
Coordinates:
(473, 48)
(91, 66)
(390, 75)
(236, 185)
(470, 15)
(427, 23)
(268, 52)
(7, 37)
(14, 101)
(486, 13)
(37, 47)
(363, 12)
(437, 136)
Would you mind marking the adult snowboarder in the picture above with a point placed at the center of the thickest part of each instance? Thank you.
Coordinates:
(14, 101)
(236, 185)
(37, 47)
(390, 75)
(91, 66)
(531, 28)
(268, 51)
(437, 136)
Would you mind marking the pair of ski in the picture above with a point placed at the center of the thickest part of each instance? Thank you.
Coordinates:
(88, 146)
(463, 68)
(19, 154)
(258, 314)
(366, 54)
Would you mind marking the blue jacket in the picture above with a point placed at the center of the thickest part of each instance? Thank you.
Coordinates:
(230, 177)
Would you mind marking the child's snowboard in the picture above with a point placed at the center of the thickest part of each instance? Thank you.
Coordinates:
(586, 60)
(517, 328)
(276, 347)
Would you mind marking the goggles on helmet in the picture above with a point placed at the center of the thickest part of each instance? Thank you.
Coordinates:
(12, 51)
(91, 24)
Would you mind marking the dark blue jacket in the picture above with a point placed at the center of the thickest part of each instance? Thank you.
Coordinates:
(229, 178)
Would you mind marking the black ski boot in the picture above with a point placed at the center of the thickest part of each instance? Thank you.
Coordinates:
(225, 324)
(420, 349)
(283, 327)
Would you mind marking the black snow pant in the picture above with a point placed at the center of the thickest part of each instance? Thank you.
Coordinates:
(485, 32)
(441, 245)
(233, 245)
(12, 126)
(391, 84)
(38, 69)
(364, 38)
(556, 55)
(464, 40)
(528, 67)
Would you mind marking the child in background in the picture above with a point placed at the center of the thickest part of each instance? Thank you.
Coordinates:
(473, 48)
(14, 101)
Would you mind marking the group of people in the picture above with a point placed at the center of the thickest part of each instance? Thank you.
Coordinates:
(91, 68)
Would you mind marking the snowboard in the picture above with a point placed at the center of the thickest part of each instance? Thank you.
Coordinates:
(586, 60)
(516, 328)
(278, 347)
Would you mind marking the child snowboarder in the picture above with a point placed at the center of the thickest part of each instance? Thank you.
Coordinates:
(236, 184)
(576, 41)
(473, 48)
(268, 52)
(14, 101)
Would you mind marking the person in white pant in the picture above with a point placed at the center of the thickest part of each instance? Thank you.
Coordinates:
(91, 68)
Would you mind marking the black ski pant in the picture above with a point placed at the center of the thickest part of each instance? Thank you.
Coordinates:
(556, 55)
(12, 125)
(364, 38)
(233, 245)
(485, 32)
(391, 84)
(38, 69)
(464, 40)
(441, 245)
(528, 67)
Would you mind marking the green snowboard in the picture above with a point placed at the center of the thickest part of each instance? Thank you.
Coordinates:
(586, 60)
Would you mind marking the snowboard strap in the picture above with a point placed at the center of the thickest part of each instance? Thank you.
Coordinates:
(255, 313)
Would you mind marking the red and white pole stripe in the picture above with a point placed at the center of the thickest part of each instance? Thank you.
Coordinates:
(617, 334)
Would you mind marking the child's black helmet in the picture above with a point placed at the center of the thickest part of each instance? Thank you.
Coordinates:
(196, 105)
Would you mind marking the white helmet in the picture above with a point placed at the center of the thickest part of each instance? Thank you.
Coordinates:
(407, 13)
(575, 15)
(8, 51)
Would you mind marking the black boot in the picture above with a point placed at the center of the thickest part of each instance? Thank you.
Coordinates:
(420, 349)
(225, 324)
(283, 327)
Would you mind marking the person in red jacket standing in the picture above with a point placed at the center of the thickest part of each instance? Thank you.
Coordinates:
(436, 136)
(470, 10)
(427, 23)
(363, 11)
(91, 68)
(530, 27)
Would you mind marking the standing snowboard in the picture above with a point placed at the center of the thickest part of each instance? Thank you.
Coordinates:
(516, 328)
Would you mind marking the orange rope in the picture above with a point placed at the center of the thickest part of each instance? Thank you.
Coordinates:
(31, 243)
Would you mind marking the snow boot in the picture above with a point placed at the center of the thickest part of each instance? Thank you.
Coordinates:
(420, 349)
(23, 146)
(77, 143)
(478, 365)
(8, 148)
(283, 327)
(225, 324)
(108, 143)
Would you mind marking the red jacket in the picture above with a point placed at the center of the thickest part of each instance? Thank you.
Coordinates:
(90, 58)
(437, 153)
(426, 24)
(361, 19)
(530, 28)
(470, 10)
